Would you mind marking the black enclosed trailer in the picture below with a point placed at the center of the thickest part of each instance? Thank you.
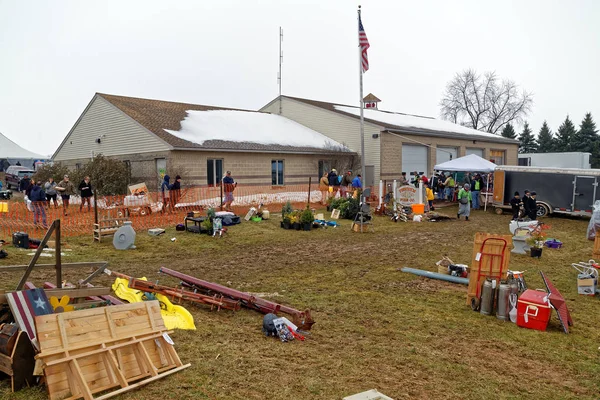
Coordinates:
(559, 190)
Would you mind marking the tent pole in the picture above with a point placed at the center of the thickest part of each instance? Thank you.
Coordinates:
(487, 189)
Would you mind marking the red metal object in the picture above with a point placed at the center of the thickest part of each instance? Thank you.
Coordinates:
(217, 301)
(558, 302)
(302, 319)
(533, 310)
(490, 257)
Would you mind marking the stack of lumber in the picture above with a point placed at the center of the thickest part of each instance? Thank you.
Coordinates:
(109, 349)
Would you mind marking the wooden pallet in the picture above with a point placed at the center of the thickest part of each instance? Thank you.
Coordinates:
(112, 349)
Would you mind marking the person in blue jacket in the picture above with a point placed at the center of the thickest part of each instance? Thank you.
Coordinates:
(38, 202)
(356, 182)
(164, 189)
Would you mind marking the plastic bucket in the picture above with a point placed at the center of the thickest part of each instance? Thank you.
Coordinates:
(4, 207)
(418, 208)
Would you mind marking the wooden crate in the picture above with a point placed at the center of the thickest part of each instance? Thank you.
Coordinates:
(492, 247)
(91, 351)
(596, 252)
(19, 363)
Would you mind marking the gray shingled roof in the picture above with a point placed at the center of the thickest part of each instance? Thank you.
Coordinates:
(158, 115)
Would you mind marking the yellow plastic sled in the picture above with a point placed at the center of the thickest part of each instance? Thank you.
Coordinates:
(175, 317)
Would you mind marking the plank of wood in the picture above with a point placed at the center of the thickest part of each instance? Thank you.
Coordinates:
(72, 293)
(11, 268)
(142, 383)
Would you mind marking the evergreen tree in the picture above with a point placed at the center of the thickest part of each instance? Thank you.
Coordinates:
(527, 143)
(587, 139)
(566, 135)
(545, 139)
(509, 131)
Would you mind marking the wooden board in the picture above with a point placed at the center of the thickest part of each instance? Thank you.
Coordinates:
(73, 293)
(596, 252)
(91, 351)
(492, 247)
(498, 188)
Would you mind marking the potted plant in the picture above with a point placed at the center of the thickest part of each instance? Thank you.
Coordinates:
(206, 226)
(536, 240)
(295, 220)
(306, 219)
(286, 213)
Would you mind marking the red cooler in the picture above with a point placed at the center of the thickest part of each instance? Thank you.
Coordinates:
(533, 310)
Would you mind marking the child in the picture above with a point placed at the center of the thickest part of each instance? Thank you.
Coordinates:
(430, 197)
(515, 203)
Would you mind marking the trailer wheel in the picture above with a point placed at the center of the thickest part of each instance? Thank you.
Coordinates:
(498, 211)
(542, 210)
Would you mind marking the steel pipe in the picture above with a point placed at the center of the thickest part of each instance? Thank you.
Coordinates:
(435, 275)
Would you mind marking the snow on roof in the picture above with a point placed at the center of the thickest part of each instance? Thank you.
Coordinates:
(414, 121)
(249, 126)
(9, 149)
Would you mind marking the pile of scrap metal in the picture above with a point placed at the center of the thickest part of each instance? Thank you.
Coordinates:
(209, 292)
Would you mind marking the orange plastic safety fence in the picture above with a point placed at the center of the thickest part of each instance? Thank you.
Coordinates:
(151, 210)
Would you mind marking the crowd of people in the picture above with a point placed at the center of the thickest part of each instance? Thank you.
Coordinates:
(524, 207)
(331, 183)
(43, 195)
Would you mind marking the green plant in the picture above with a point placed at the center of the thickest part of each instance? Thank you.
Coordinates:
(210, 213)
(286, 210)
(307, 217)
(207, 224)
(294, 216)
(536, 239)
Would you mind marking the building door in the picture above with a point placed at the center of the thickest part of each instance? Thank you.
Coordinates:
(214, 172)
(443, 154)
(369, 178)
(477, 152)
(584, 193)
(161, 169)
(414, 158)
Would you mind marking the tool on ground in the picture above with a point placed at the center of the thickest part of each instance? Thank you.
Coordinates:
(491, 259)
(302, 319)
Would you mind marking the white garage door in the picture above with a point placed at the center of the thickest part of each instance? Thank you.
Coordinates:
(478, 152)
(444, 154)
(414, 158)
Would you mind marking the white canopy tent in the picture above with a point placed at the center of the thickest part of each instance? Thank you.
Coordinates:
(470, 163)
(13, 153)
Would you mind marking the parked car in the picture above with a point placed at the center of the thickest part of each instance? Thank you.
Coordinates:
(14, 174)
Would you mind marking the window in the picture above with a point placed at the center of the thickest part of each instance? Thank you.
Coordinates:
(497, 157)
(214, 172)
(277, 172)
(77, 166)
(324, 166)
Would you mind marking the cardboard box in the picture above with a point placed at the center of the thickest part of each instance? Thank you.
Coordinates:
(586, 285)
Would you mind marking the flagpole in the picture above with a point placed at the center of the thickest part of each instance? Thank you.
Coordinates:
(362, 118)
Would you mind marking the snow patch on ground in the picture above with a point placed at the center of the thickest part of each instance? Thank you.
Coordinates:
(248, 126)
(413, 121)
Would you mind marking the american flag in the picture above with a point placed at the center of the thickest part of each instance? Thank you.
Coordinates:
(25, 306)
(364, 45)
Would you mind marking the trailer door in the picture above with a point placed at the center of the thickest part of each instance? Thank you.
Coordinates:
(584, 193)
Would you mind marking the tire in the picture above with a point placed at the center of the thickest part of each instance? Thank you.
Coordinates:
(542, 210)
(498, 211)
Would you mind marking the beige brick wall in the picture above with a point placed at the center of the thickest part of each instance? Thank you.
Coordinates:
(247, 168)
(391, 151)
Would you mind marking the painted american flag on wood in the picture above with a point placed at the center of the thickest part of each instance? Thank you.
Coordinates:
(25, 305)
(364, 45)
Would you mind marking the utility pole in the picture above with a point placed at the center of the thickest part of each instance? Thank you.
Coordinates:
(280, 62)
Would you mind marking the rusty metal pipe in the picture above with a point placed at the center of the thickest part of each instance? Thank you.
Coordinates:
(301, 318)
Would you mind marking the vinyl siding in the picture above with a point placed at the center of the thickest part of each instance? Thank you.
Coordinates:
(345, 130)
(122, 135)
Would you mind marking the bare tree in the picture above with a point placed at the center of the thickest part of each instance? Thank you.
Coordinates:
(483, 102)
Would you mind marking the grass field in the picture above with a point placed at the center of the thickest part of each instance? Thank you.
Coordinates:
(376, 327)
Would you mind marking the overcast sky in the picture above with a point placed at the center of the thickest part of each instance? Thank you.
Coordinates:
(54, 55)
